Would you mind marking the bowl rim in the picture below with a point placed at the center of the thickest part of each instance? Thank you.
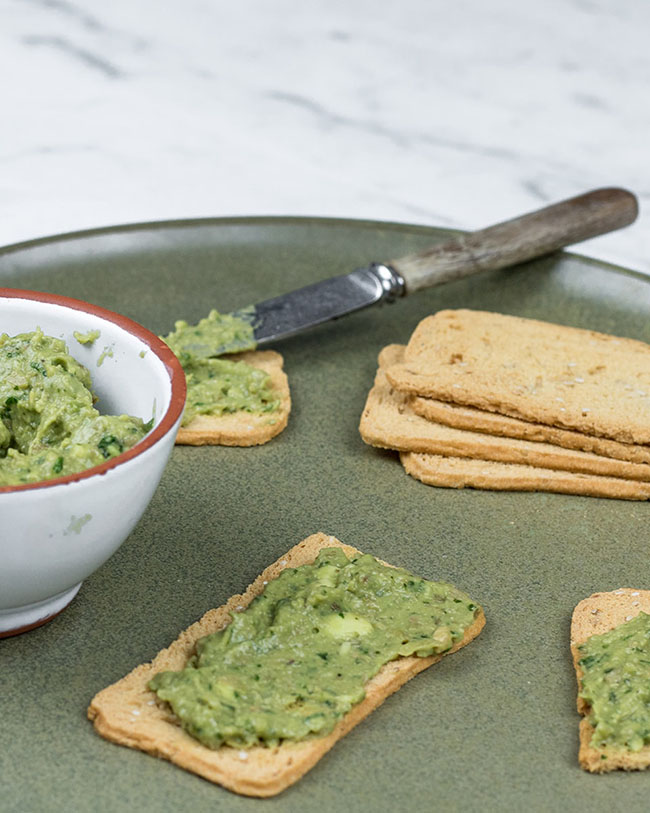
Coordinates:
(170, 362)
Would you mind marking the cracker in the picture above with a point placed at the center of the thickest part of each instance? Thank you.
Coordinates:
(478, 420)
(389, 422)
(244, 428)
(458, 472)
(128, 713)
(600, 613)
(561, 376)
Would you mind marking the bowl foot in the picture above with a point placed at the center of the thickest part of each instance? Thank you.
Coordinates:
(22, 619)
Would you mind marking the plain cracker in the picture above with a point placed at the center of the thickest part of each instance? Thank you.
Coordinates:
(244, 428)
(457, 472)
(545, 373)
(128, 712)
(479, 420)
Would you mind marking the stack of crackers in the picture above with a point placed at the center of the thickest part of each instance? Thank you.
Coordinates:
(484, 400)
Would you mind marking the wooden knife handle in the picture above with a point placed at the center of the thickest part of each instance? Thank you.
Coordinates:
(521, 239)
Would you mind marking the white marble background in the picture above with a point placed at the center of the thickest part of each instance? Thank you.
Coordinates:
(456, 113)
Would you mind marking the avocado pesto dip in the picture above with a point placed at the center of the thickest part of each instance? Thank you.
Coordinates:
(86, 338)
(218, 386)
(48, 424)
(616, 684)
(297, 659)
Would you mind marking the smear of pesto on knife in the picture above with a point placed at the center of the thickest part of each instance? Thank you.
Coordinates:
(213, 336)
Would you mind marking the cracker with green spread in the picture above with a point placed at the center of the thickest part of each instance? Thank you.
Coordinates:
(250, 406)
(233, 398)
(610, 646)
(269, 726)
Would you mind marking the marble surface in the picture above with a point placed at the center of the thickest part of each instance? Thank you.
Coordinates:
(453, 114)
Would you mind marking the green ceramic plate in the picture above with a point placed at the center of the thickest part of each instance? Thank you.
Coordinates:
(493, 727)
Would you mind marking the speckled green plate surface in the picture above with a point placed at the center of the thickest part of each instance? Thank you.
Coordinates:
(493, 727)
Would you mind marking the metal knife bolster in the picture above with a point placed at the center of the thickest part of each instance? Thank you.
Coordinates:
(325, 300)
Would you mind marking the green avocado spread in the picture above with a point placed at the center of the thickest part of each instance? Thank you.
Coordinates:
(297, 659)
(215, 335)
(217, 386)
(48, 424)
(616, 684)
(86, 338)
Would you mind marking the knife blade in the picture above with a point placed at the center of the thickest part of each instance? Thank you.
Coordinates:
(499, 246)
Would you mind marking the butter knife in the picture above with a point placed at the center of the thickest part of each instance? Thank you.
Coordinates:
(499, 246)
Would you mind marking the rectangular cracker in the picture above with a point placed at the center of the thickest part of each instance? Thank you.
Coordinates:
(492, 423)
(129, 713)
(600, 613)
(389, 422)
(244, 428)
(463, 472)
(551, 374)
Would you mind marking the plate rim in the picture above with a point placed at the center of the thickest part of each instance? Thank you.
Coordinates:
(286, 220)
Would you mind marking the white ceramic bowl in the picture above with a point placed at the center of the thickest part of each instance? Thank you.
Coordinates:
(55, 533)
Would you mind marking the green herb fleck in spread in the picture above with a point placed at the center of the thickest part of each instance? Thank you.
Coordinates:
(298, 658)
(616, 684)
